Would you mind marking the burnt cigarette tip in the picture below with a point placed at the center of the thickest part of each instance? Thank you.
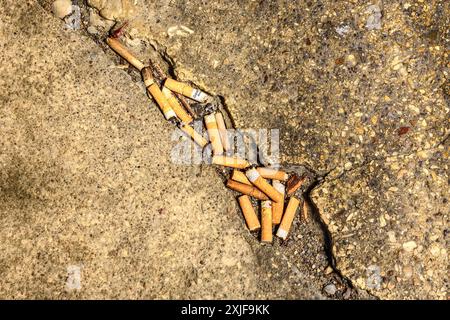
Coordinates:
(146, 73)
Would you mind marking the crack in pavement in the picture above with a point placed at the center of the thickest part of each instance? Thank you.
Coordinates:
(318, 179)
(325, 178)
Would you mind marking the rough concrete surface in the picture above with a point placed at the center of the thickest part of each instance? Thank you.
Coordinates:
(358, 89)
(87, 182)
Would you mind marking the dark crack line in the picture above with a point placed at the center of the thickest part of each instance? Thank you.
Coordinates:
(328, 238)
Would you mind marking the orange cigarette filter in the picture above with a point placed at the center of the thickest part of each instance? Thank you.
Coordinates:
(233, 162)
(223, 131)
(262, 184)
(270, 173)
(278, 207)
(213, 133)
(240, 176)
(197, 137)
(246, 189)
(288, 218)
(186, 90)
(249, 213)
(176, 106)
(266, 221)
(156, 93)
(124, 53)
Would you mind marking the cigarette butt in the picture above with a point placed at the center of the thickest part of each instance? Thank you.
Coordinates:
(186, 90)
(223, 131)
(124, 53)
(266, 221)
(213, 133)
(305, 211)
(176, 106)
(246, 189)
(197, 137)
(233, 162)
(240, 176)
(269, 173)
(156, 93)
(278, 207)
(262, 184)
(249, 213)
(288, 217)
(294, 183)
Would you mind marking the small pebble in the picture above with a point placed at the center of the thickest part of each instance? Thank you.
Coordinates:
(382, 221)
(347, 293)
(328, 270)
(409, 246)
(374, 20)
(62, 8)
(73, 22)
(342, 30)
(407, 271)
(330, 289)
(92, 30)
(350, 60)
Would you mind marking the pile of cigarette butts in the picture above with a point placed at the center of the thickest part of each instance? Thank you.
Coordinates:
(270, 186)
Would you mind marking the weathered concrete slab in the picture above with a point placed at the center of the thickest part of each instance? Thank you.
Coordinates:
(87, 185)
(338, 90)
(389, 221)
(356, 88)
